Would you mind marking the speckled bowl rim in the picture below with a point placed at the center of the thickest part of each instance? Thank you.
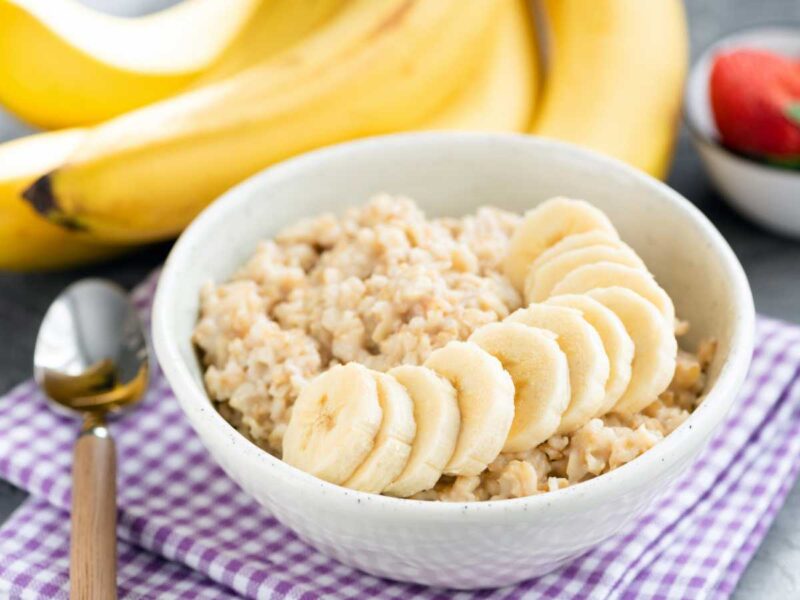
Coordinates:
(702, 422)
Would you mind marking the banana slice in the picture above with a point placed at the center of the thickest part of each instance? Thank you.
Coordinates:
(586, 359)
(545, 225)
(392, 447)
(576, 241)
(543, 277)
(485, 395)
(539, 370)
(616, 342)
(334, 423)
(606, 274)
(438, 422)
(654, 342)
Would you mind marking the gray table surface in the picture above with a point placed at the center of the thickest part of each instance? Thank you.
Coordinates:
(772, 265)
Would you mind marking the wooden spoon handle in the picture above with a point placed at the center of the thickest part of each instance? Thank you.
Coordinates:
(93, 550)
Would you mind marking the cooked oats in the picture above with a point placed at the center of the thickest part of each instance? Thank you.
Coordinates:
(383, 285)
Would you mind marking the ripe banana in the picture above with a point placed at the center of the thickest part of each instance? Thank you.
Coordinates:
(546, 225)
(655, 347)
(617, 344)
(586, 358)
(395, 62)
(502, 93)
(485, 395)
(334, 423)
(438, 423)
(64, 64)
(274, 26)
(27, 241)
(392, 448)
(539, 370)
(542, 278)
(607, 274)
(614, 77)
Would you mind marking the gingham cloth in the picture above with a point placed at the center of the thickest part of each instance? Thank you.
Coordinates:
(187, 531)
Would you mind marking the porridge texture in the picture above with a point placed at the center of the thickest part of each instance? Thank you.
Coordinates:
(382, 285)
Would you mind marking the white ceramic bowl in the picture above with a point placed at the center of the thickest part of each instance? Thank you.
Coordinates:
(767, 194)
(459, 545)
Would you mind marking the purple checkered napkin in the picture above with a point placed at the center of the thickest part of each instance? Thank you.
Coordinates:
(35, 557)
(187, 531)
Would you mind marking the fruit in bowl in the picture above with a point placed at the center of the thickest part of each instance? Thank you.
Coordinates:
(755, 98)
(741, 108)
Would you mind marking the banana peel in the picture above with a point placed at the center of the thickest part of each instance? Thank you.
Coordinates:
(501, 95)
(615, 78)
(66, 65)
(27, 241)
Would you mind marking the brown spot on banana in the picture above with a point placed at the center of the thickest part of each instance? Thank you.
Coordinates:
(41, 197)
(392, 20)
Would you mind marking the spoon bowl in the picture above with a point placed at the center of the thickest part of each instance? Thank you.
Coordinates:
(91, 353)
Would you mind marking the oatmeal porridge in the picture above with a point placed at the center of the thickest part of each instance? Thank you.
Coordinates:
(383, 286)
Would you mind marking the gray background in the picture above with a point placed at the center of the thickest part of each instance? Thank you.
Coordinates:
(771, 264)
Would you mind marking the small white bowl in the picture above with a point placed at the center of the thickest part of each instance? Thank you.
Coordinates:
(447, 544)
(767, 194)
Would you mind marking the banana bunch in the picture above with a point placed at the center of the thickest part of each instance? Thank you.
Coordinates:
(599, 337)
(179, 106)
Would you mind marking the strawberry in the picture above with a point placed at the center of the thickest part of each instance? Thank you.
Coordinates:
(755, 97)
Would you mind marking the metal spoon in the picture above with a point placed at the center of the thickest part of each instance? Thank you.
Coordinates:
(91, 359)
